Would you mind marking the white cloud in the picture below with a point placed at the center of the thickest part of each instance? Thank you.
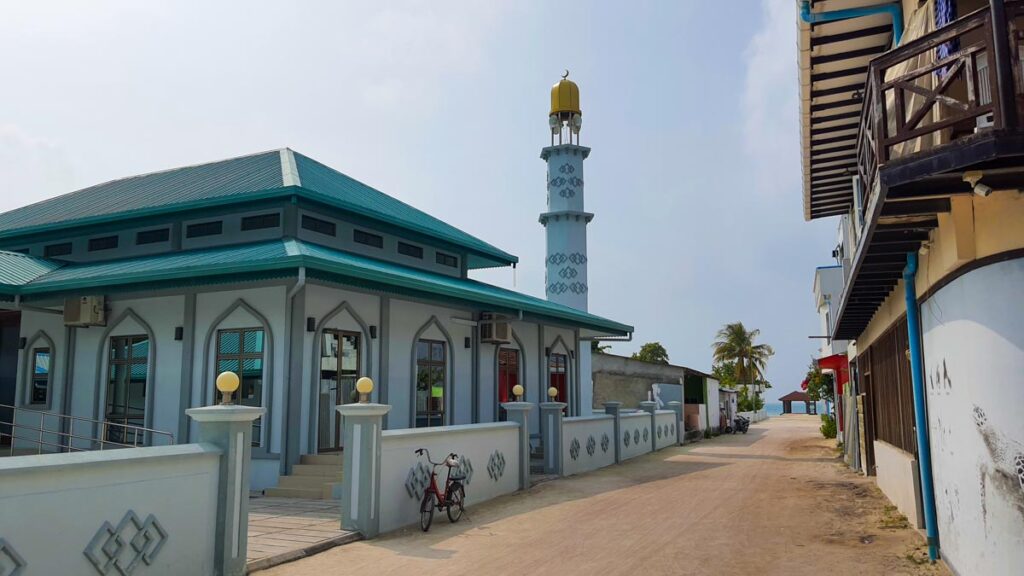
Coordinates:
(770, 105)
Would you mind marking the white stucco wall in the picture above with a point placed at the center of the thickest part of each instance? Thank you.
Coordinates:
(974, 358)
(156, 317)
(268, 302)
(408, 318)
(635, 424)
(599, 428)
(476, 444)
(712, 404)
(897, 477)
(664, 429)
(54, 505)
(335, 309)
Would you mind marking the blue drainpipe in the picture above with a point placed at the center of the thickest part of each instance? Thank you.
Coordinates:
(894, 10)
(924, 452)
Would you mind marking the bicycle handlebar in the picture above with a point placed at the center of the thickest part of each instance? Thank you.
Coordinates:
(420, 451)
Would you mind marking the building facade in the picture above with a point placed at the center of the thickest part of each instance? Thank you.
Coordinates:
(129, 297)
(912, 130)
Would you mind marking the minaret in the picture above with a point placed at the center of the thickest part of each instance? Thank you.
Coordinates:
(565, 221)
(565, 224)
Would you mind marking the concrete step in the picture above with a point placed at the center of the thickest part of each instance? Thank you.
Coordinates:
(322, 470)
(321, 459)
(307, 493)
(302, 482)
(331, 491)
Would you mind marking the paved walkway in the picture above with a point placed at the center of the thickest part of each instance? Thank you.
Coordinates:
(284, 529)
(774, 501)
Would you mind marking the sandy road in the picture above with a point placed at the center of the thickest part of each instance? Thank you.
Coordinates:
(775, 501)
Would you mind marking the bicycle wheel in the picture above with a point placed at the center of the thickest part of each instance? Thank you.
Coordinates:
(456, 502)
(426, 511)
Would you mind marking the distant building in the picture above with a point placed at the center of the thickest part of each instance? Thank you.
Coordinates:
(631, 381)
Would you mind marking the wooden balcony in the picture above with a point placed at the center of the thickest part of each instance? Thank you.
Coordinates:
(935, 108)
(939, 105)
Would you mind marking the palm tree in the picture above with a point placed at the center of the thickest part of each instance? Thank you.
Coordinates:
(736, 344)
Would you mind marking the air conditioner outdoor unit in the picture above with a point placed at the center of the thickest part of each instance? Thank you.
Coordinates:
(85, 311)
(495, 329)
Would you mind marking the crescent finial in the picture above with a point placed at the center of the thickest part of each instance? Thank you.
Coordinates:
(566, 75)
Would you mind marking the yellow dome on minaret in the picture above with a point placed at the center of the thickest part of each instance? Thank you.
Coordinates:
(565, 97)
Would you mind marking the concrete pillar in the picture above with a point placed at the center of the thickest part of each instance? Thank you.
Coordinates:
(650, 407)
(677, 407)
(519, 412)
(615, 409)
(229, 428)
(551, 435)
(360, 482)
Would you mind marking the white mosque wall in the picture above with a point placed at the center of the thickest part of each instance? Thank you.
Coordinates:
(431, 322)
(153, 317)
(41, 330)
(973, 359)
(333, 308)
(247, 308)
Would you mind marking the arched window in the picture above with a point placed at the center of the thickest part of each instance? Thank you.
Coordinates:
(431, 383)
(240, 350)
(39, 377)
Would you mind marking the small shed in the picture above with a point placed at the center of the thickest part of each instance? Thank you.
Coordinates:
(788, 399)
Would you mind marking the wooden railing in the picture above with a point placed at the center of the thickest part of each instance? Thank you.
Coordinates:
(941, 88)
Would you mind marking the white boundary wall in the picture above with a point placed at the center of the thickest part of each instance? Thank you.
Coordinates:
(56, 506)
(637, 426)
(595, 438)
(897, 476)
(489, 450)
(664, 429)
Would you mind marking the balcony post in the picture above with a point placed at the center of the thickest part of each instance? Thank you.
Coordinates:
(1001, 54)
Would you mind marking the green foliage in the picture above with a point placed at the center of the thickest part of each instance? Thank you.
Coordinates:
(747, 401)
(828, 426)
(819, 384)
(652, 352)
(725, 373)
(735, 344)
(597, 348)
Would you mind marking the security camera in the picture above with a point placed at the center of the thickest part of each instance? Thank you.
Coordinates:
(982, 189)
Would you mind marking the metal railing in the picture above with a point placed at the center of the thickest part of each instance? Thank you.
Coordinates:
(46, 432)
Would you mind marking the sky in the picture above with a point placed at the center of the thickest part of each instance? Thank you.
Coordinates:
(690, 108)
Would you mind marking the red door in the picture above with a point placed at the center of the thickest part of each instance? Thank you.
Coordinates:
(508, 377)
(558, 370)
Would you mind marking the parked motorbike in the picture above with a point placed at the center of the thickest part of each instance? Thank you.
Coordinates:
(727, 426)
(742, 424)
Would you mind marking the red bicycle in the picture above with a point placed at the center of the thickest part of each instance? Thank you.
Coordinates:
(452, 499)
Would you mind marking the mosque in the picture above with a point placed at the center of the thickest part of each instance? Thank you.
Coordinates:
(121, 302)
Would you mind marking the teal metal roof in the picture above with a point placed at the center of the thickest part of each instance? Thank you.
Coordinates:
(244, 261)
(238, 180)
(17, 269)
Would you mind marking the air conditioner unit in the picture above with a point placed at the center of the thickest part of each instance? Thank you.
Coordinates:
(85, 311)
(495, 329)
